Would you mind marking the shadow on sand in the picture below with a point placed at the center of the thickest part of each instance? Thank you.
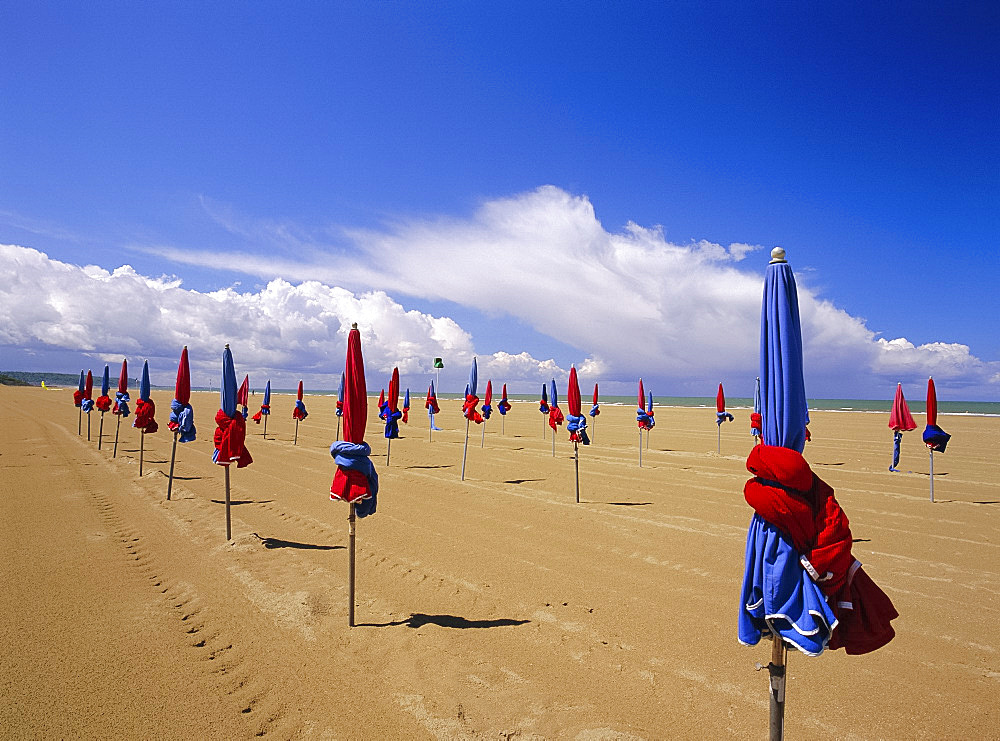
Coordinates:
(419, 619)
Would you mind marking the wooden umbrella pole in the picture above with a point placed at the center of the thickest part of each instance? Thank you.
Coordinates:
(264, 433)
(593, 430)
(466, 449)
(932, 474)
(229, 527)
(338, 428)
(142, 448)
(117, 427)
(88, 428)
(776, 669)
(543, 428)
(173, 456)
(79, 423)
(388, 449)
(100, 432)
(640, 447)
(576, 453)
(482, 443)
(430, 429)
(719, 449)
(350, 566)
(296, 440)
(503, 425)
(553, 443)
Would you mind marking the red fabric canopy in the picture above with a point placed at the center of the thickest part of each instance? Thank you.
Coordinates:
(299, 393)
(489, 393)
(123, 378)
(394, 391)
(88, 389)
(931, 402)
(720, 400)
(595, 393)
(573, 394)
(182, 388)
(642, 396)
(243, 395)
(900, 418)
(355, 392)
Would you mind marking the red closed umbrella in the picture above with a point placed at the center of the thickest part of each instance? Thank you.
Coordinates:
(576, 423)
(721, 415)
(355, 481)
(392, 413)
(120, 409)
(934, 437)
(900, 421)
(243, 395)
(88, 399)
(487, 409)
(299, 412)
(181, 414)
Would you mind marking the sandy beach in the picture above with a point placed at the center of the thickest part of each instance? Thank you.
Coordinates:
(494, 608)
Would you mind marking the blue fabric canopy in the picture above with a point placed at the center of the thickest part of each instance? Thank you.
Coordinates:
(144, 382)
(227, 389)
(106, 381)
(473, 379)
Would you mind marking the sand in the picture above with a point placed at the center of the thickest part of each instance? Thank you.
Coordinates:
(494, 608)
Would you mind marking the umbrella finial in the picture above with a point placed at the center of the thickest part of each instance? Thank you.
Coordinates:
(778, 255)
(354, 325)
(227, 345)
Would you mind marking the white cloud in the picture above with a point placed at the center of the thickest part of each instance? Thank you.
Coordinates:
(631, 303)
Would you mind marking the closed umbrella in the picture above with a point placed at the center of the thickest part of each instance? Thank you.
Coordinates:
(543, 407)
(900, 421)
(145, 410)
(431, 405)
(355, 481)
(643, 420)
(934, 437)
(392, 413)
(78, 403)
(340, 404)
(576, 424)
(265, 408)
(556, 417)
(801, 583)
(595, 410)
(503, 407)
(230, 429)
(487, 409)
(299, 412)
(469, 410)
(721, 415)
(87, 405)
(406, 407)
(120, 409)
(181, 421)
(243, 396)
(103, 403)
(755, 417)
(649, 413)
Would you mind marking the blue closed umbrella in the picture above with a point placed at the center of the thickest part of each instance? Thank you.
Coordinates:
(473, 378)
(144, 382)
(228, 389)
(106, 381)
(267, 395)
(469, 408)
(755, 418)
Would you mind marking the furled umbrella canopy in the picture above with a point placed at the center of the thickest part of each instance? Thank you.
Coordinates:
(265, 407)
(299, 412)
(121, 397)
(755, 417)
(469, 410)
(543, 405)
(355, 480)
(503, 406)
(431, 405)
(340, 397)
(145, 409)
(243, 396)
(78, 394)
(934, 437)
(88, 395)
(900, 421)
(595, 409)
(391, 411)
(576, 423)
(488, 400)
(555, 413)
(800, 580)
(406, 407)
(181, 414)
(103, 402)
(644, 421)
(230, 427)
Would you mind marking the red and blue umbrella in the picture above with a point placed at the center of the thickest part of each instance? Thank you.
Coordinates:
(643, 419)
(503, 407)
(900, 421)
(721, 415)
(243, 396)
(391, 413)
(576, 423)
(103, 403)
(801, 585)
(120, 409)
(487, 409)
(78, 403)
(755, 416)
(555, 413)
(265, 407)
(181, 421)
(469, 410)
(431, 405)
(230, 429)
(87, 405)
(543, 407)
(935, 438)
(340, 404)
(145, 410)
(406, 408)
(355, 480)
(299, 412)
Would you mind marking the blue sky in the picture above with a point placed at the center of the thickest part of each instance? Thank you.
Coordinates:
(425, 149)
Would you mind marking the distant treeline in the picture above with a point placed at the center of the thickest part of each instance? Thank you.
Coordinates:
(9, 380)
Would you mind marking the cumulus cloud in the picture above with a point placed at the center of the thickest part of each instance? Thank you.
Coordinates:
(283, 331)
(628, 302)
